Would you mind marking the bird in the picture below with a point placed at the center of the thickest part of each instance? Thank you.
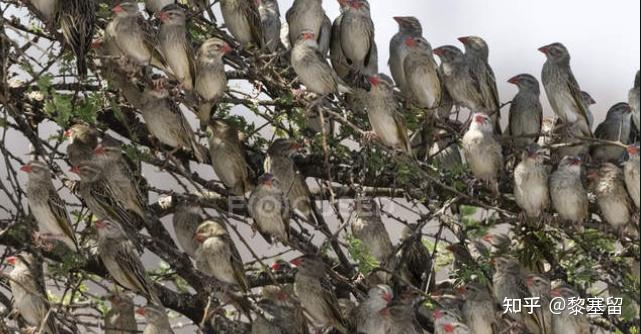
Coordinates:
(166, 122)
(456, 328)
(444, 318)
(611, 194)
(408, 27)
(269, 207)
(122, 261)
(278, 302)
(373, 314)
(175, 46)
(155, 6)
(531, 190)
(479, 310)
(631, 173)
(477, 57)
(336, 55)
(566, 322)
(587, 102)
(134, 36)
(157, 320)
(280, 164)
(482, 151)
(27, 284)
(526, 111)
(186, 220)
(414, 261)
(83, 139)
(616, 127)
(384, 115)
(228, 157)
(217, 255)
(357, 38)
(367, 226)
(243, 21)
(210, 81)
(269, 12)
(421, 74)
(77, 20)
(312, 69)
(568, 196)
(46, 205)
(309, 16)
(47, 8)
(563, 91)
(635, 101)
(445, 152)
(314, 292)
(540, 286)
(458, 80)
(569, 142)
(120, 319)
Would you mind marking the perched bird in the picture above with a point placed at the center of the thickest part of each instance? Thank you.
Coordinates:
(479, 310)
(243, 21)
(422, 78)
(121, 260)
(217, 255)
(157, 320)
(210, 80)
(280, 164)
(566, 322)
(414, 261)
(539, 286)
(228, 157)
(134, 36)
(408, 27)
(457, 78)
(587, 102)
(456, 328)
(635, 101)
(309, 16)
(445, 152)
(186, 220)
(314, 292)
(336, 55)
(155, 6)
(531, 183)
(611, 195)
(287, 318)
(508, 283)
(175, 46)
(444, 318)
(269, 207)
(373, 314)
(562, 89)
(83, 139)
(46, 205)
(28, 290)
(616, 127)
(357, 37)
(47, 8)
(631, 173)
(120, 318)
(482, 151)
(167, 123)
(77, 21)
(383, 112)
(270, 21)
(368, 227)
(312, 68)
(526, 111)
(567, 193)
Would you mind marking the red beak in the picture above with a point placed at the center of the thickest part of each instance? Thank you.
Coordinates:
(488, 237)
(140, 311)
(275, 266)
(464, 40)
(75, 170)
(100, 223)
(162, 16)
(199, 238)
(448, 328)
(99, 149)
(297, 261)
(227, 49)
(544, 49)
(68, 133)
(514, 80)
(11, 260)
(411, 42)
(117, 9)
(633, 150)
(439, 51)
(388, 297)
(374, 80)
(437, 314)
(26, 168)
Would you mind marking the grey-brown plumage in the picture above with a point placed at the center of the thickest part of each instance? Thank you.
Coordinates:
(280, 306)
(28, 291)
(120, 318)
(414, 260)
(383, 112)
(175, 46)
(77, 21)
(408, 26)
(368, 227)
(587, 102)
(634, 99)
(357, 37)
(269, 207)
(186, 220)
(566, 322)
(373, 315)
(122, 261)
(631, 173)
(312, 68)
(270, 21)
(46, 205)
(569, 143)
(526, 111)
(336, 55)
(166, 122)
(458, 79)
(82, 141)
(228, 157)
(482, 151)
(157, 320)
(445, 152)
(540, 286)
(281, 165)
(47, 8)
(217, 255)
(155, 6)
(616, 127)
(242, 19)
(309, 16)
(423, 84)
(563, 91)
(567, 193)
(611, 194)
(314, 292)
(479, 311)
(531, 190)
(210, 80)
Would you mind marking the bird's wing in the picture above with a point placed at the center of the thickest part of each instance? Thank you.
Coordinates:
(254, 201)
(402, 131)
(250, 11)
(237, 264)
(330, 300)
(132, 267)
(150, 39)
(575, 91)
(491, 83)
(59, 211)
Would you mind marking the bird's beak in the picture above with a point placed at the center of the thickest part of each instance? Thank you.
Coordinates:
(227, 49)
(514, 81)
(438, 51)
(544, 49)
(411, 42)
(117, 9)
(11, 260)
(75, 170)
(464, 40)
(140, 311)
(437, 314)
(100, 224)
(388, 297)
(399, 19)
(633, 150)
(26, 168)
(374, 80)
(297, 261)
(199, 237)
(68, 133)
(100, 150)
(162, 16)
(488, 237)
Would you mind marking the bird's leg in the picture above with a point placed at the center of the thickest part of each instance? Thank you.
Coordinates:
(370, 136)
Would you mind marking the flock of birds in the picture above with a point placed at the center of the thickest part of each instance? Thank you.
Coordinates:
(114, 192)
